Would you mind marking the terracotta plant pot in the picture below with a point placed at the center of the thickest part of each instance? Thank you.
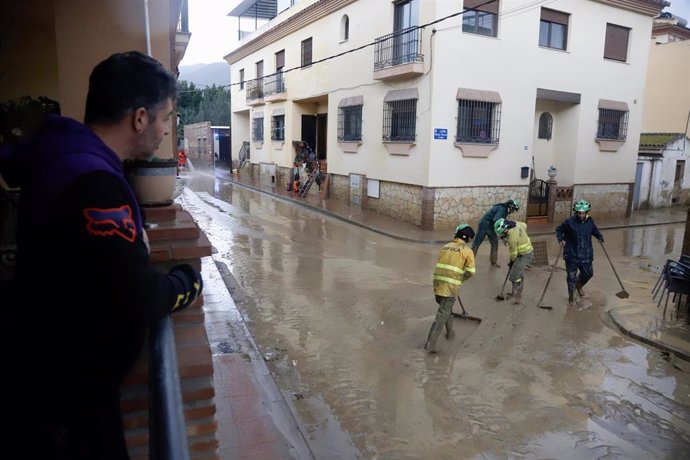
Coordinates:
(153, 180)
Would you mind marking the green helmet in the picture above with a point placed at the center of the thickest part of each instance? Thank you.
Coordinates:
(464, 231)
(513, 205)
(581, 206)
(501, 225)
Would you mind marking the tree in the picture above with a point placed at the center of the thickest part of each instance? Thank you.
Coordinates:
(195, 105)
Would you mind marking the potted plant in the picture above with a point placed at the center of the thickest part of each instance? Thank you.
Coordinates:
(153, 180)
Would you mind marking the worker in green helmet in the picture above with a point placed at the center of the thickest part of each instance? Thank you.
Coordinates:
(575, 237)
(486, 227)
(521, 252)
(454, 266)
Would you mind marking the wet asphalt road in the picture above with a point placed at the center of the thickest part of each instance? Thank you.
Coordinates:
(342, 314)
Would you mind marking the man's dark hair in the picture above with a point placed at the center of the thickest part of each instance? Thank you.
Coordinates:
(123, 83)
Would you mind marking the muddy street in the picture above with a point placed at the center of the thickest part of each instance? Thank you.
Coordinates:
(341, 313)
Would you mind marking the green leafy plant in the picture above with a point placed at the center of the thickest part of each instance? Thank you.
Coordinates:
(20, 117)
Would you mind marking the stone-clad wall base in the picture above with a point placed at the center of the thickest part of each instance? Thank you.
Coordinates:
(400, 201)
(451, 206)
(468, 204)
(340, 187)
(608, 200)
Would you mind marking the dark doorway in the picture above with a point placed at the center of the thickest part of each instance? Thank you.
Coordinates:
(309, 130)
(321, 136)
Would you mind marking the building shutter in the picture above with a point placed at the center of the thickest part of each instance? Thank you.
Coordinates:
(616, 46)
(489, 8)
(554, 16)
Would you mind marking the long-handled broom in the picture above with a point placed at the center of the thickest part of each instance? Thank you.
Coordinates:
(558, 257)
(622, 294)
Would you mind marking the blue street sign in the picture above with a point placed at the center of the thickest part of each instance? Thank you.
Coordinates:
(440, 133)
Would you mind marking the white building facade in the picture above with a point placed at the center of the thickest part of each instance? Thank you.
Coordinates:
(431, 115)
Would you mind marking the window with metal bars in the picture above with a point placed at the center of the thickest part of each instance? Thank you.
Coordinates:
(278, 128)
(613, 124)
(258, 129)
(545, 125)
(350, 123)
(400, 120)
(306, 52)
(478, 122)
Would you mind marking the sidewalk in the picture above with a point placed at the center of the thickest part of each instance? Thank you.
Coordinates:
(641, 322)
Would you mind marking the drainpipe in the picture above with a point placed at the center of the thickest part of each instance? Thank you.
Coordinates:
(148, 27)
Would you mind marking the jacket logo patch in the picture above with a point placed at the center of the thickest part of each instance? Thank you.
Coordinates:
(112, 221)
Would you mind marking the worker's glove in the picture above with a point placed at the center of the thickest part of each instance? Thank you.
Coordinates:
(510, 264)
(192, 282)
(562, 243)
(601, 240)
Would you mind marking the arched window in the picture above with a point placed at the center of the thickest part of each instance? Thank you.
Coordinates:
(545, 125)
(344, 28)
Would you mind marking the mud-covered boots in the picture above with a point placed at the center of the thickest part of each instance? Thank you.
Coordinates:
(580, 292)
(571, 297)
(434, 332)
(517, 293)
(450, 332)
(493, 257)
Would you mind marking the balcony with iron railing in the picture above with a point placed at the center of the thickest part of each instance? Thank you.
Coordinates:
(274, 87)
(399, 55)
(255, 91)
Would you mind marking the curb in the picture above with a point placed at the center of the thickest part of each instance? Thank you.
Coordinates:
(611, 314)
(306, 204)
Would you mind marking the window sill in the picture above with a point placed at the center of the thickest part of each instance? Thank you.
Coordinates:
(258, 144)
(475, 150)
(609, 145)
(349, 146)
(399, 148)
(277, 145)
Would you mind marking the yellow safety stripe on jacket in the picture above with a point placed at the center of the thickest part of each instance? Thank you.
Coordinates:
(448, 280)
(518, 241)
(454, 265)
(451, 268)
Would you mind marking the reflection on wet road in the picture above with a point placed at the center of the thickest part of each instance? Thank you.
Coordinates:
(346, 312)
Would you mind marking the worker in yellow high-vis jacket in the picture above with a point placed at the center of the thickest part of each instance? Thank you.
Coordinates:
(521, 252)
(455, 265)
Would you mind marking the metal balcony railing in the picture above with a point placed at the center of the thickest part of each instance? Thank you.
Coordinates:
(274, 84)
(255, 89)
(401, 47)
(167, 426)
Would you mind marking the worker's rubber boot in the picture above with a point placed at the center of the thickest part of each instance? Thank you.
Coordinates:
(580, 292)
(517, 293)
(571, 297)
(434, 332)
(493, 257)
(450, 332)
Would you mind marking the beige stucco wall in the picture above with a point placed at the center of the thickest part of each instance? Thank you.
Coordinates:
(56, 44)
(28, 61)
(667, 95)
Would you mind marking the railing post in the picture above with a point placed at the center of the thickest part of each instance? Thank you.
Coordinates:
(167, 427)
(551, 203)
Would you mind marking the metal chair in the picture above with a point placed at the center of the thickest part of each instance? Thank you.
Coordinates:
(674, 278)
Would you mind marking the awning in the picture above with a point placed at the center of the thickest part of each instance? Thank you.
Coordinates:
(613, 105)
(401, 95)
(350, 101)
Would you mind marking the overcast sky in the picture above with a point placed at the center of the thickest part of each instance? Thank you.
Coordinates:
(214, 33)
